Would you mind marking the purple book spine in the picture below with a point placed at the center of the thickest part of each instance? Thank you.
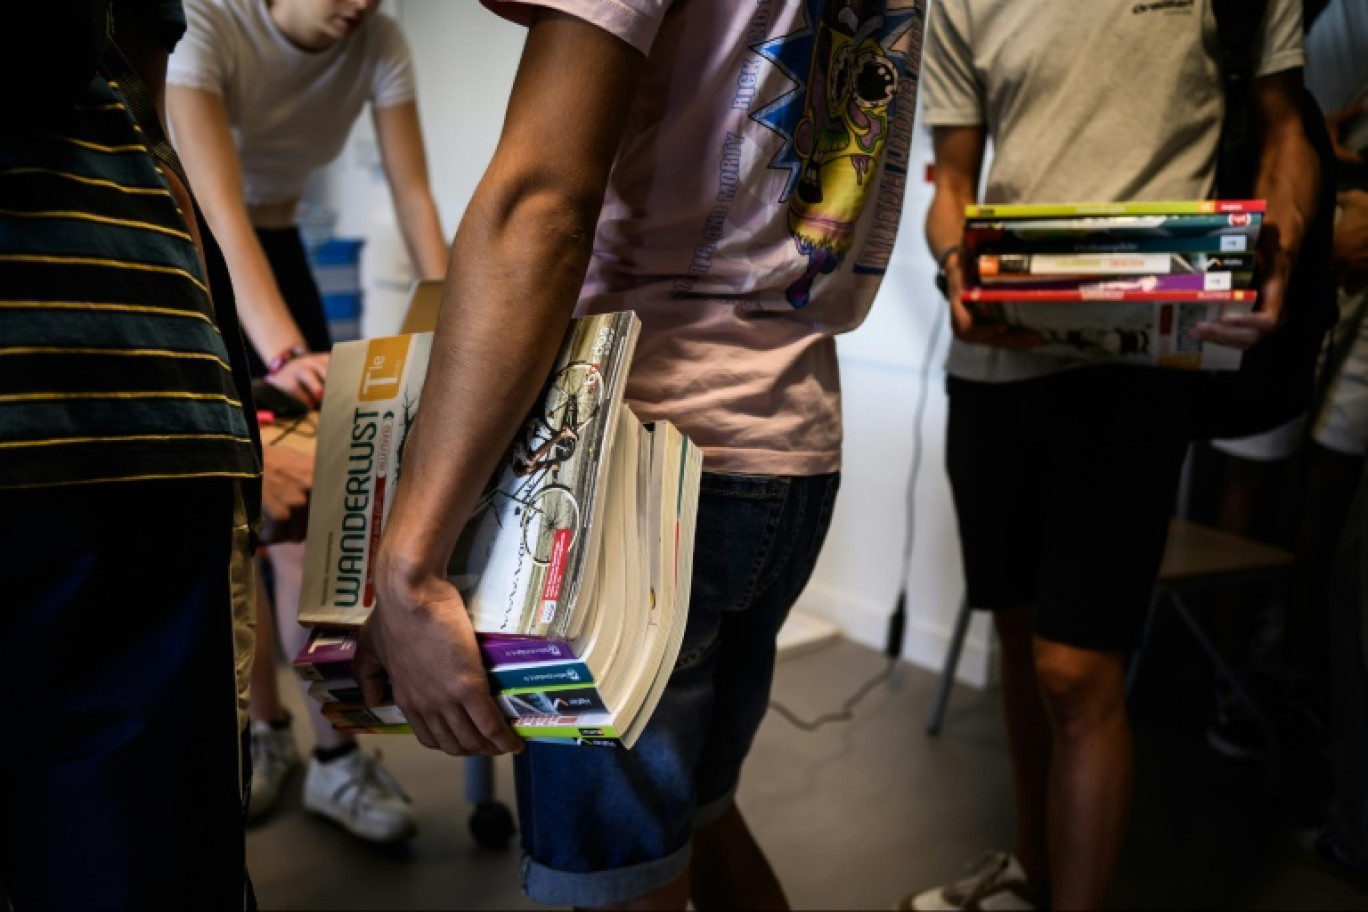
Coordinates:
(328, 647)
(504, 650)
(1198, 281)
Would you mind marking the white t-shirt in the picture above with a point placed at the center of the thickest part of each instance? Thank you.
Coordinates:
(290, 109)
(752, 211)
(1100, 100)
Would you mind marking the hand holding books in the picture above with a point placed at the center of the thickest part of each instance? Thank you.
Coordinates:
(560, 605)
(969, 323)
(1242, 329)
(439, 679)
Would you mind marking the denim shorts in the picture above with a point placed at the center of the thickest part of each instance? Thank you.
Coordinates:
(600, 825)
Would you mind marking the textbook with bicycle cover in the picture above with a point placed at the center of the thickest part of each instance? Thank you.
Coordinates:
(530, 547)
(637, 611)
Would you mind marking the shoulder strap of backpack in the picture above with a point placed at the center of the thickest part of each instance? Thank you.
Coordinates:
(1237, 31)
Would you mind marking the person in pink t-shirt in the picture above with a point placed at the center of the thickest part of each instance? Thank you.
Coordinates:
(733, 172)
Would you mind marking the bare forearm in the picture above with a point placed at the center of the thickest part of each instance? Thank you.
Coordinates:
(205, 142)
(422, 229)
(401, 146)
(514, 283)
(1289, 181)
(514, 277)
(265, 316)
(945, 217)
(959, 156)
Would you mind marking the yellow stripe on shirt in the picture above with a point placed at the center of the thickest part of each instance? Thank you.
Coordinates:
(112, 308)
(100, 147)
(100, 219)
(129, 438)
(98, 261)
(116, 353)
(125, 397)
(91, 181)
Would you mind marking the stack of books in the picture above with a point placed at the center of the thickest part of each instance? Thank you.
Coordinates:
(575, 566)
(1115, 281)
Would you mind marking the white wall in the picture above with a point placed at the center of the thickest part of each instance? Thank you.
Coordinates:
(465, 59)
(887, 366)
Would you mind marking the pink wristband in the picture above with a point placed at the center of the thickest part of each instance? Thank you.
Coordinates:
(284, 358)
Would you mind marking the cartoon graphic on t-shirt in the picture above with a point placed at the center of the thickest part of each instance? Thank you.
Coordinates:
(838, 124)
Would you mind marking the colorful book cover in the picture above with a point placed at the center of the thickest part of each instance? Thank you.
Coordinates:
(574, 728)
(327, 654)
(1193, 281)
(373, 387)
(1216, 243)
(566, 701)
(508, 650)
(1009, 267)
(1123, 226)
(540, 675)
(1152, 207)
(1063, 295)
(522, 558)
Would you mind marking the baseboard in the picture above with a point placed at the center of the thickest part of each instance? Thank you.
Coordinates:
(803, 632)
(925, 640)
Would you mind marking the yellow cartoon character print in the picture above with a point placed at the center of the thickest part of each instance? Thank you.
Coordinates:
(840, 138)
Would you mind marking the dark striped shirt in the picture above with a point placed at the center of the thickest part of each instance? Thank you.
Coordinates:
(111, 365)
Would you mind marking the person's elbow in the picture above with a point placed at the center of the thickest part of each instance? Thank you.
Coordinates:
(551, 208)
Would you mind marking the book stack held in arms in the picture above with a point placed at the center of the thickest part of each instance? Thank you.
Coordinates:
(574, 567)
(1122, 282)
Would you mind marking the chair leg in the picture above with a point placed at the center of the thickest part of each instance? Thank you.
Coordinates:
(1242, 688)
(479, 779)
(947, 679)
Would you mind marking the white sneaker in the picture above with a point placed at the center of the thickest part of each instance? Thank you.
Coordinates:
(273, 757)
(996, 881)
(357, 792)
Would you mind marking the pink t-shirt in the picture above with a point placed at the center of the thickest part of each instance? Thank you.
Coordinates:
(752, 210)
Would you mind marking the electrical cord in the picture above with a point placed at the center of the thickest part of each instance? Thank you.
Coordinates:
(897, 622)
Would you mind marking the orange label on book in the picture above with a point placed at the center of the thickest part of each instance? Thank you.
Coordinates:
(384, 368)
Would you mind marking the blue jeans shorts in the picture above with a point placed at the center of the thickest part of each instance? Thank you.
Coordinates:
(602, 826)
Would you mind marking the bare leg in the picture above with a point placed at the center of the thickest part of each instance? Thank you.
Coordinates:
(730, 871)
(1090, 772)
(265, 705)
(1029, 740)
(287, 560)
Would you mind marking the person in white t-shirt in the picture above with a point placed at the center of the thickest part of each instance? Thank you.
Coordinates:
(734, 173)
(1065, 477)
(261, 94)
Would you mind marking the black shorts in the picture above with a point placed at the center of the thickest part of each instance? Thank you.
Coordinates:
(1063, 487)
(289, 261)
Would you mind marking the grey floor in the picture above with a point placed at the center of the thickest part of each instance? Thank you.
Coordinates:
(860, 812)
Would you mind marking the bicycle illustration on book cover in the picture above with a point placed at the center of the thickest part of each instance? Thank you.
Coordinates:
(546, 507)
(535, 490)
(527, 550)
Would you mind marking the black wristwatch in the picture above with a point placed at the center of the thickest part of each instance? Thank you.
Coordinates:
(942, 282)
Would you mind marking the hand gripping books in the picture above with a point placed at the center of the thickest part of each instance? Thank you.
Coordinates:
(552, 560)
(1120, 282)
(604, 691)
